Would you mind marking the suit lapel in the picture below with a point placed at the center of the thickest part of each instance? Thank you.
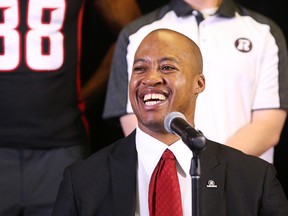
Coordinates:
(123, 175)
(212, 183)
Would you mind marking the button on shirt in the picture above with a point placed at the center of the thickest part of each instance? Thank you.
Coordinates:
(149, 152)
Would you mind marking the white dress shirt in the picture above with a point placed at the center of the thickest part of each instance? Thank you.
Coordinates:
(149, 152)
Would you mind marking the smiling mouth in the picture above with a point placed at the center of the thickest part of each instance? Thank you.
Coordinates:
(152, 99)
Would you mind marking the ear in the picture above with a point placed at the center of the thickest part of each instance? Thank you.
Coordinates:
(200, 85)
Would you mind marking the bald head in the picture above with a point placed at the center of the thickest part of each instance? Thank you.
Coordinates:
(173, 40)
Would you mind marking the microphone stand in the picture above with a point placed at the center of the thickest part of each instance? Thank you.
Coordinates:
(197, 145)
(175, 122)
(195, 177)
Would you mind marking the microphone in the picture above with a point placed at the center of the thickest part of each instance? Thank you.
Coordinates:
(175, 123)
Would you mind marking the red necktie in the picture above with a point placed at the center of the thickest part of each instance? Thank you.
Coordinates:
(164, 189)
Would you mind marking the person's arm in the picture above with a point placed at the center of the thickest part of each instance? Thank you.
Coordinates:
(98, 81)
(116, 14)
(262, 133)
(128, 123)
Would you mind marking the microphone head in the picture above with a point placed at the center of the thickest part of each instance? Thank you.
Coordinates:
(169, 118)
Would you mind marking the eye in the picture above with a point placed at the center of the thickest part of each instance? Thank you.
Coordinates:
(139, 69)
(168, 68)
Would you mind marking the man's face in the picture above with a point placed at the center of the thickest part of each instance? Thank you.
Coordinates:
(164, 79)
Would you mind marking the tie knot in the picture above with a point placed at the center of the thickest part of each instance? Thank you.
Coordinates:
(168, 155)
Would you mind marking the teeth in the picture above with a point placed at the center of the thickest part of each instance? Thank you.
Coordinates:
(151, 99)
(150, 103)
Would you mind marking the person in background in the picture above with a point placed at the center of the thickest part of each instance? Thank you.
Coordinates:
(116, 179)
(42, 127)
(245, 64)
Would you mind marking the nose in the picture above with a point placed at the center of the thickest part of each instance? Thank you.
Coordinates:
(152, 77)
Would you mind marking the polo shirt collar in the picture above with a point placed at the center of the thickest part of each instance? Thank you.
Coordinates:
(181, 8)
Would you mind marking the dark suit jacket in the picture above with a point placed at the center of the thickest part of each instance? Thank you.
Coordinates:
(105, 184)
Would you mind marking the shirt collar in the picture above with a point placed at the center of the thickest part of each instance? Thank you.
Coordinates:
(150, 150)
(226, 9)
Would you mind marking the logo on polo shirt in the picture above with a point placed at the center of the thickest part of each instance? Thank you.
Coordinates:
(243, 45)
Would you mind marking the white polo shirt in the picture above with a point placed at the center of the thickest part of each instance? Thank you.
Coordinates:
(245, 65)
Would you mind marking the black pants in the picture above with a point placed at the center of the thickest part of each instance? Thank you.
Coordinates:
(29, 179)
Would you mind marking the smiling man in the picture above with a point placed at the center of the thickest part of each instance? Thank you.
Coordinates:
(116, 179)
(162, 75)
